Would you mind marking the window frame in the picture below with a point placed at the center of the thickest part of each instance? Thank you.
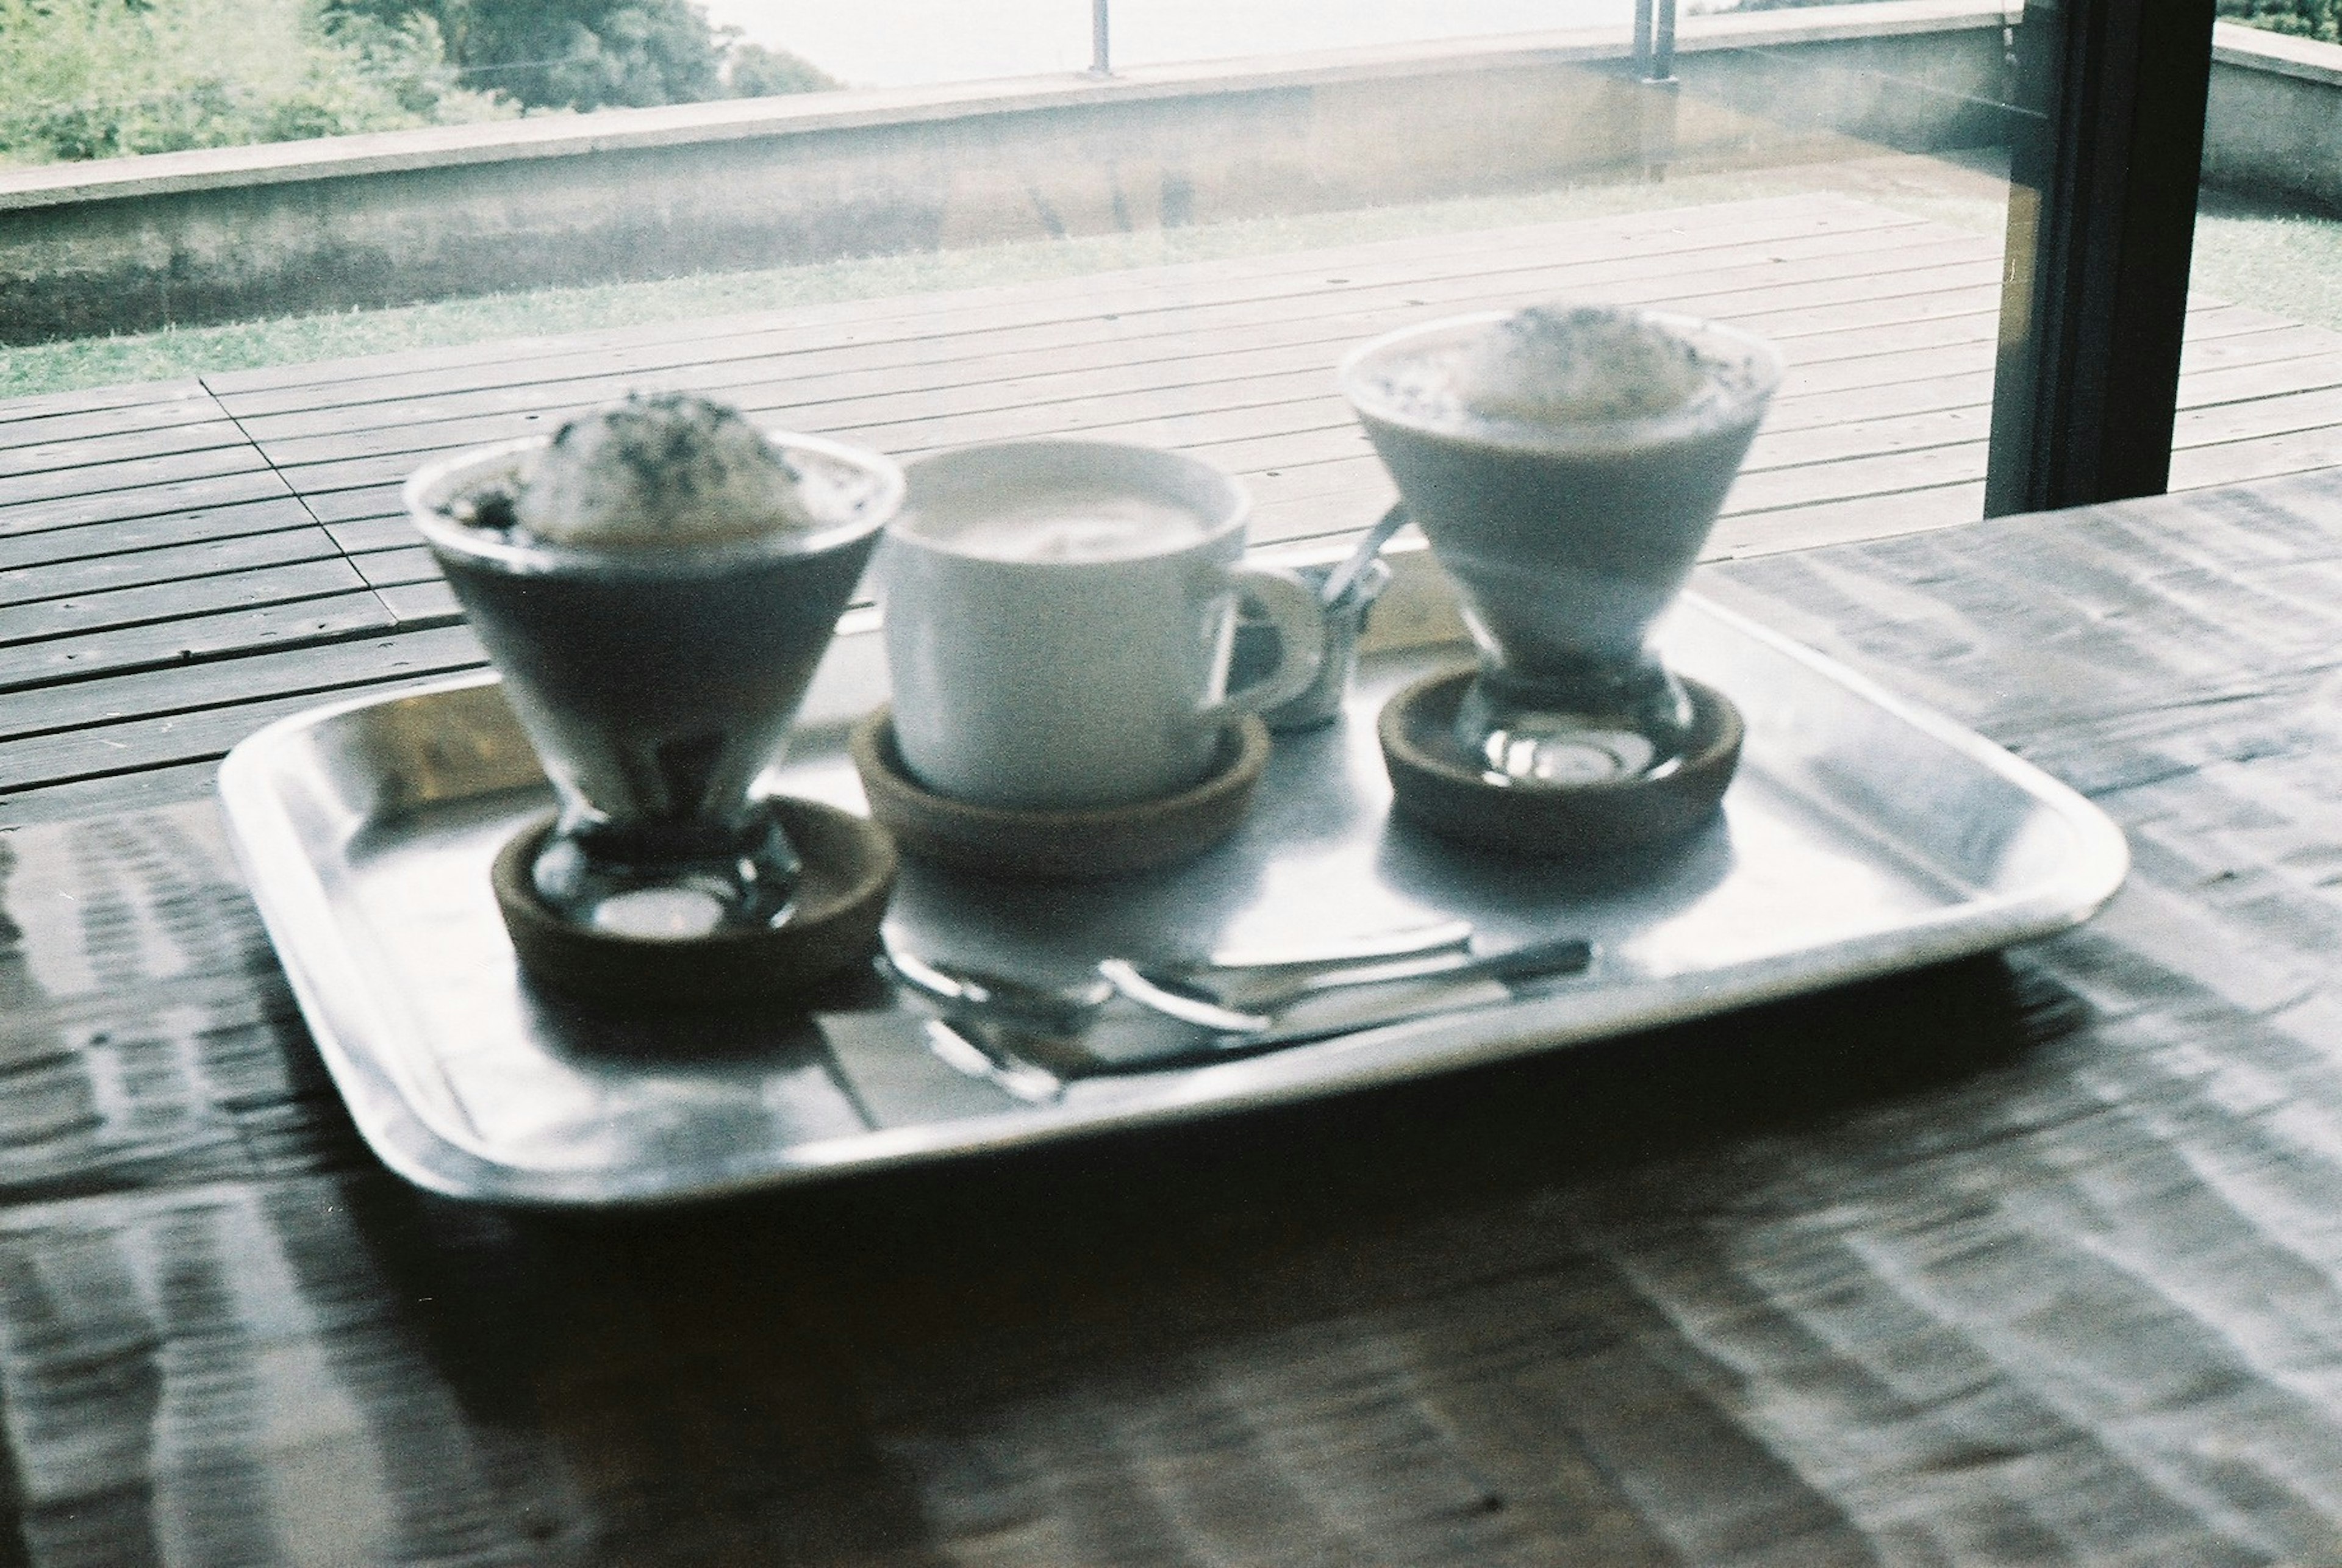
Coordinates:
(2106, 156)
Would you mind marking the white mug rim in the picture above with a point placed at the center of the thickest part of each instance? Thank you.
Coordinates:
(1232, 519)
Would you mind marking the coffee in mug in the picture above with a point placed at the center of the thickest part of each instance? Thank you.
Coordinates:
(1058, 622)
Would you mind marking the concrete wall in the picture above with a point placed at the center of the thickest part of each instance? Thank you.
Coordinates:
(2274, 128)
(221, 234)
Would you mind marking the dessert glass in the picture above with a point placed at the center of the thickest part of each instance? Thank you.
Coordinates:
(657, 684)
(1568, 522)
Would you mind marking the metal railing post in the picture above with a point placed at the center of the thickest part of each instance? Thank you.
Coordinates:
(1101, 63)
(1654, 103)
(1655, 40)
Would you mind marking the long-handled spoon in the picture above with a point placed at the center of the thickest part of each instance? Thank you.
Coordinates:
(962, 1053)
(1342, 578)
(1180, 996)
(1063, 1005)
(980, 991)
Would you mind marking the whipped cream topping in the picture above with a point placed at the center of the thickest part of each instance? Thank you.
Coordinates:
(669, 469)
(1561, 369)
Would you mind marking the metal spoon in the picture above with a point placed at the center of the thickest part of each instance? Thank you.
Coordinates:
(1343, 577)
(1177, 996)
(1399, 943)
(980, 991)
(962, 1053)
(1065, 1005)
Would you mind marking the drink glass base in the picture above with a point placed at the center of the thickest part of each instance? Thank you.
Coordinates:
(1597, 728)
(1440, 785)
(670, 882)
(830, 924)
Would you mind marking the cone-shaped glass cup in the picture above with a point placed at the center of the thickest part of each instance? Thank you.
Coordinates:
(1567, 503)
(657, 683)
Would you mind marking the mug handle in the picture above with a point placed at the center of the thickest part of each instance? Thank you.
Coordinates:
(1293, 608)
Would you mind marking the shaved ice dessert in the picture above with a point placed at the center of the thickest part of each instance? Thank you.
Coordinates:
(657, 583)
(1565, 463)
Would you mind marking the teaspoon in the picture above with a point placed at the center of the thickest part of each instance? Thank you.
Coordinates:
(1184, 998)
(1065, 1004)
(1343, 577)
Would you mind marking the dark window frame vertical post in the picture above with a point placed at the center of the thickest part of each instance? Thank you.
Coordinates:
(2108, 137)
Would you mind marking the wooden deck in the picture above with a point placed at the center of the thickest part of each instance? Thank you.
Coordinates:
(248, 524)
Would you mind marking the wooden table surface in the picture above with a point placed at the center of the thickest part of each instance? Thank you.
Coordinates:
(2035, 1258)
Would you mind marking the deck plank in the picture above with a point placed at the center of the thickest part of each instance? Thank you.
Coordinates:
(84, 618)
(2250, 417)
(420, 604)
(2268, 456)
(99, 454)
(127, 397)
(972, 354)
(1681, 229)
(1814, 335)
(53, 485)
(51, 583)
(59, 548)
(187, 495)
(299, 620)
(268, 673)
(113, 794)
(196, 735)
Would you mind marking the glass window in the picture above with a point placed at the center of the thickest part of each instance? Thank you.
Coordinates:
(2261, 381)
(1835, 176)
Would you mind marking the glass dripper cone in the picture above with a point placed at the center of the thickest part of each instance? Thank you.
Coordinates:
(1566, 465)
(658, 685)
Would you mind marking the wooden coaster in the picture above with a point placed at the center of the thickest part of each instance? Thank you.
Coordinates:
(1063, 845)
(849, 866)
(1439, 789)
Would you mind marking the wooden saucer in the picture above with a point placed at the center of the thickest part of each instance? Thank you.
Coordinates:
(1061, 846)
(1443, 791)
(849, 866)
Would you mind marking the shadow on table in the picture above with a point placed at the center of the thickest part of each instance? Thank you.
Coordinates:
(809, 1367)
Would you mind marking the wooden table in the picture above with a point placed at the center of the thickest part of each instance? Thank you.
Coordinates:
(2033, 1259)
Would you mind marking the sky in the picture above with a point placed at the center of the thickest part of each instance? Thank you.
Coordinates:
(900, 43)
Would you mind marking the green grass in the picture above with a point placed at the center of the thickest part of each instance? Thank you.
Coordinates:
(2288, 263)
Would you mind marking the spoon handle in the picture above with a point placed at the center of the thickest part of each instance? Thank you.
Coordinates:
(975, 989)
(1130, 980)
(1395, 943)
(1554, 955)
(978, 991)
(1343, 577)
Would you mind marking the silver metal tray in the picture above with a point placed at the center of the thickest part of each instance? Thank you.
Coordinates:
(1862, 836)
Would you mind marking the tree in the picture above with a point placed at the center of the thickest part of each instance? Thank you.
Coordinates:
(100, 78)
(593, 54)
(2320, 19)
(756, 72)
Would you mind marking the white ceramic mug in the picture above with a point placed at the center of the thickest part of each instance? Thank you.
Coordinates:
(1058, 617)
